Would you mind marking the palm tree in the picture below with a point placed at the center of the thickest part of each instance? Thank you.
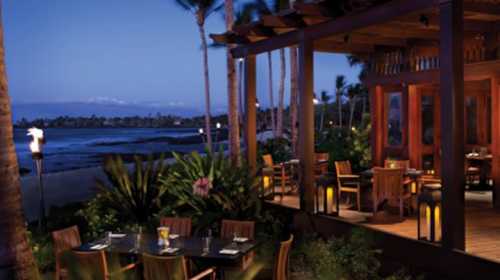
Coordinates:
(232, 90)
(270, 89)
(202, 9)
(266, 8)
(340, 85)
(353, 93)
(16, 258)
(325, 98)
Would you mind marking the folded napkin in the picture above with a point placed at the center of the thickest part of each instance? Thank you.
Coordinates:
(240, 239)
(169, 250)
(173, 236)
(228, 252)
(99, 247)
(117, 235)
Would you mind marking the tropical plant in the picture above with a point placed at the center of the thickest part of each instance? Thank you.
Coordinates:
(133, 194)
(209, 188)
(202, 9)
(278, 148)
(361, 149)
(354, 93)
(100, 218)
(325, 98)
(340, 85)
(16, 259)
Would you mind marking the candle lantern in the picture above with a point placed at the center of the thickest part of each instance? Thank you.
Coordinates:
(267, 183)
(36, 147)
(429, 213)
(328, 201)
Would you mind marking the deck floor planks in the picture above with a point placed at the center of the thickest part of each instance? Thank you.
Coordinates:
(482, 225)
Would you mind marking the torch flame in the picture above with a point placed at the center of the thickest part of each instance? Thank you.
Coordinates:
(37, 134)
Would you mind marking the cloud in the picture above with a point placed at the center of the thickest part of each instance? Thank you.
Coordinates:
(102, 100)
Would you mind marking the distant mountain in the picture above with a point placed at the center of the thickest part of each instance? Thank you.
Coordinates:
(32, 111)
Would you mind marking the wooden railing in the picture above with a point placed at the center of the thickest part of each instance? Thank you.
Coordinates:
(394, 63)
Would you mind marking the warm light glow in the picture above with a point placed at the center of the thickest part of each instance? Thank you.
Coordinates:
(218, 125)
(329, 200)
(36, 144)
(266, 182)
(257, 104)
(353, 128)
(240, 60)
(330, 122)
(315, 101)
(200, 130)
(437, 218)
(413, 187)
(428, 220)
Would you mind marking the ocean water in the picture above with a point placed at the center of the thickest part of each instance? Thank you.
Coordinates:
(73, 148)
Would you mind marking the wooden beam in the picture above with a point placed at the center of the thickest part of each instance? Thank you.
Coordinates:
(377, 134)
(289, 21)
(251, 111)
(376, 15)
(312, 9)
(371, 39)
(415, 127)
(306, 124)
(340, 47)
(452, 121)
(495, 139)
(482, 8)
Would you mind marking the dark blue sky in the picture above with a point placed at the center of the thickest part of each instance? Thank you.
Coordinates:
(143, 53)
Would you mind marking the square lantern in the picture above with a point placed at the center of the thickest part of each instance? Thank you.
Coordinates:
(267, 183)
(429, 213)
(327, 201)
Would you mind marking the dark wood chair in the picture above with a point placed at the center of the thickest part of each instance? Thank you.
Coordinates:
(282, 259)
(242, 229)
(64, 240)
(282, 175)
(388, 188)
(93, 265)
(321, 161)
(171, 268)
(347, 181)
(180, 226)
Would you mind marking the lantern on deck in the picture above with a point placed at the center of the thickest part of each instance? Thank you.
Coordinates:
(429, 213)
(267, 183)
(328, 202)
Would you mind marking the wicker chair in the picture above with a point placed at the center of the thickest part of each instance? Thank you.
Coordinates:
(64, 240)
(347, 181)
(388, 188)
(170, 268)
(93, 265)
(180, 226)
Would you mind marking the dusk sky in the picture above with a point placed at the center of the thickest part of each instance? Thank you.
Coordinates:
(125, 52)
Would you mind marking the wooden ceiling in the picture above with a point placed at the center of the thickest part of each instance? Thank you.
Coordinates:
(413, 27)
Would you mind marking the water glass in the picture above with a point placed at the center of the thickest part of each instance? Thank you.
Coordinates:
(206, 244)
(108, 239)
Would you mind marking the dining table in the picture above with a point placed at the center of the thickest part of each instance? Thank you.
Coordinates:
(219, 252)
(483, 162)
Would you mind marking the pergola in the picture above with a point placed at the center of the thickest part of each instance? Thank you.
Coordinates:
(407, 45)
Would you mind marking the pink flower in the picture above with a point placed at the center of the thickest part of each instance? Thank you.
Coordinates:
(202, 186)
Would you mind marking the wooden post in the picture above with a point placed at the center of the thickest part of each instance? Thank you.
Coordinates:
(495, 139)
(452, 123)
(377, 119)
(306, 125)
(251, 112)
(414, 127)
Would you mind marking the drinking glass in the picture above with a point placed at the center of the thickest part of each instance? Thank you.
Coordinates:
(108, 239)
(206, 244)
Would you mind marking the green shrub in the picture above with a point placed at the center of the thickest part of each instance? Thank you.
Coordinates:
(279, 148)
(99, 218)
(227, 191)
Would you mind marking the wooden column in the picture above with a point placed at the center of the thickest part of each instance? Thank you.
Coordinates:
(306, 124)
(452, 123)
(251, 111)
(414, 127)
(377, 119)
(495, 139)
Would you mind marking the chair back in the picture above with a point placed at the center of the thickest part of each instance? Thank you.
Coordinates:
(343, 167)
(282, 260)
(164, 268)
(91, 265)
(268, 160)
(64, 240)
(180, 226)
(387, 183)
(397, 163)
(322, 156)
(241, 228)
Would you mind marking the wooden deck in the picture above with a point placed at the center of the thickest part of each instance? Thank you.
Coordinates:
(482, 223)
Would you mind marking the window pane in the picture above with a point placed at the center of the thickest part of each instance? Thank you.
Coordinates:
(394, 119)
(471, 122)
(427, 119)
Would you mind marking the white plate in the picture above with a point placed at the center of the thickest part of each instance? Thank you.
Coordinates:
(228, 252)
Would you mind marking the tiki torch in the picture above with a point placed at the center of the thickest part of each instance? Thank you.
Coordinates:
(36, 146)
